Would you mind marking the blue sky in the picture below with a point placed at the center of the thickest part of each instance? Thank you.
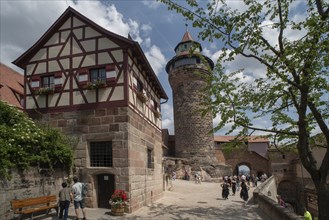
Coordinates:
(149, 22)
(23, 22)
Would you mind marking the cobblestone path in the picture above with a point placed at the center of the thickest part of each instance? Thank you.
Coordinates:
(187, 200)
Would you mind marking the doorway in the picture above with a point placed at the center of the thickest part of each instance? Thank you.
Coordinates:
(105, 189)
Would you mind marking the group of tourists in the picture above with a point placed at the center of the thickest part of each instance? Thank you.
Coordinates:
(68, 195)
(236, 184)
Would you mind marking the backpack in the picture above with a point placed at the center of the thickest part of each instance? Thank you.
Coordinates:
(84, 190)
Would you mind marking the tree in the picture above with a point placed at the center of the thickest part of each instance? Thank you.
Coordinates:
(293, 88)
(23, 143)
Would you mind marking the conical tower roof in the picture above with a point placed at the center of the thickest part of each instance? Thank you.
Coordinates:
(187, 37)
(188, 41)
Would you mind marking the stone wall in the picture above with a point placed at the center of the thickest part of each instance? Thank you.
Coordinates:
(131, 135)
(254, 161)
(264, 195)
(28, 184)
(192, 130)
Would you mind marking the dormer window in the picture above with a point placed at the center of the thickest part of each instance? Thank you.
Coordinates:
(48, 81)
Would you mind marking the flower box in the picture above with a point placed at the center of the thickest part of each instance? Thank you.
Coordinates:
(44, 91)
(157, 114)
(96, 84)
(141, 96)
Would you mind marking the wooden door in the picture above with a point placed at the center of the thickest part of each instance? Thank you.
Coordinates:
(105, 189)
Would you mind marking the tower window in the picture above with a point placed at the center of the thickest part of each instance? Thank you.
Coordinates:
(150, 159)
(101, 154)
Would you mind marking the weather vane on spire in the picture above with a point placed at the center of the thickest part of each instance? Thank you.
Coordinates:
(186, 25)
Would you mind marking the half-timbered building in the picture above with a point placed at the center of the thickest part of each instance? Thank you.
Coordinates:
(99, 88)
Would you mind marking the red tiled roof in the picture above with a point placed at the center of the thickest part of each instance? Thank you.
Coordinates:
(11, 85)
(251, 139)
(187, 37)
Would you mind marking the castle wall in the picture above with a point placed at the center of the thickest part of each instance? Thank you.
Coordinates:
(131, 137)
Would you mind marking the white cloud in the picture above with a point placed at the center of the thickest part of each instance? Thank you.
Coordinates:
(151, 3)
(167, 112)
(21, 28)
(147, 42)
(156, 59)
(146, 28)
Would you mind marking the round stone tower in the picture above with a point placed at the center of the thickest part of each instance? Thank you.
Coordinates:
(193, 137)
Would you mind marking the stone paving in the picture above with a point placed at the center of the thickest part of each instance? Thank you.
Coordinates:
(187, 200)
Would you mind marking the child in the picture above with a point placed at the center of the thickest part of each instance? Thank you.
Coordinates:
(64, 201)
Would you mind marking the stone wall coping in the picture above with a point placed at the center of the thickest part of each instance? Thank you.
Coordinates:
(269, 206)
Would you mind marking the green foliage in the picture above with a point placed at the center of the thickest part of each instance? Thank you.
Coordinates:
(292, 50)
(291, 91)
(24, 143)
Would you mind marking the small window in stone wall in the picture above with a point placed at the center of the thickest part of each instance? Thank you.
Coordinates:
(101, 154)
(150, 160)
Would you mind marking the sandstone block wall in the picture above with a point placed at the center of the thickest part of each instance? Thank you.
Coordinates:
(28, 184)
(193, 136)
(131, 135)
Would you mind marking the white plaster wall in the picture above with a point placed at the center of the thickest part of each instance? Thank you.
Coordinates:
(53, 66)
(77, 98)
(40, 55)
(118, 55)
(103, 94)
(104, 58)
(91, 95)
(66, 25)
(118, 93)
(67, 49)
(41, 100)
(89, 32)
(41, 68)
(89, 60)
(89, 45)
(52, 99)
(53, 40)
(76, 47)
(64, 36)
(77, 22)
(54, 51)
(65, 99)
(65, 63)
(29, 69)
(104, 43)
(78, 33)
(76, 61)
(30, 104)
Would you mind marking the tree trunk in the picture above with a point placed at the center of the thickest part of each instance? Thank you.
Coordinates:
(323, 201)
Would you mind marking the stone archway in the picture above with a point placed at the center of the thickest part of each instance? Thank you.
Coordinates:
(237, 170)
(255, 162)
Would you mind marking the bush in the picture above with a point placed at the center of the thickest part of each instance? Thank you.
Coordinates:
(23, 143)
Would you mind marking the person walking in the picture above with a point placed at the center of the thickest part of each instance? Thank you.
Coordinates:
(79, 201)
(225, 190)
(244, 192)
(173, 175)
(307, 214)
(237, 183)
(64, 201)
(233, 186)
